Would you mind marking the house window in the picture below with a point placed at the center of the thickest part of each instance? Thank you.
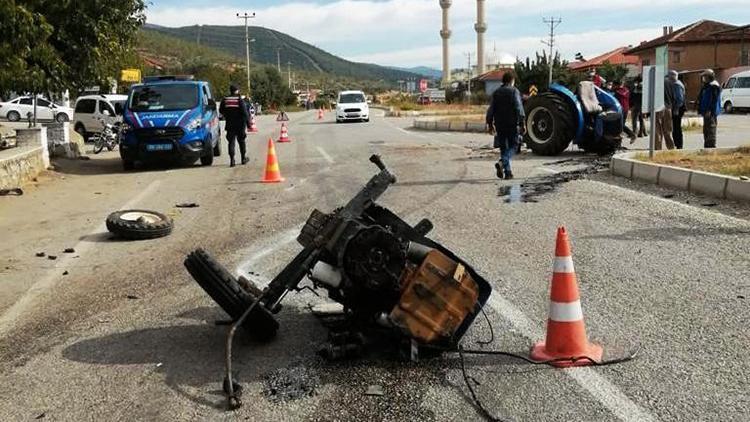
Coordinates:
(676, 56)
(646, 62)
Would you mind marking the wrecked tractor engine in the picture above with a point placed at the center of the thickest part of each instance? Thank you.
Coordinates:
(389, 277)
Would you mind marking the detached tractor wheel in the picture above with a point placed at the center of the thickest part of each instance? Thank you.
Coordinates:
(139, 224)
(549, 124)
(225, 290)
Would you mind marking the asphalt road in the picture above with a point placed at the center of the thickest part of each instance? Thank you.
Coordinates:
(126, 334)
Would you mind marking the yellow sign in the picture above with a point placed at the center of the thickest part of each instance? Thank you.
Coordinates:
(533, 90)
(130, 75)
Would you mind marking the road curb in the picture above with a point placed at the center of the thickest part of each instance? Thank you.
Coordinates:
(695, 181)
(448, 126)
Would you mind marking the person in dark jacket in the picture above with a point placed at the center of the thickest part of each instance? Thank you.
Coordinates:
(636, 108)
(709, 106)
(622, 93)
(505, 120)
(236, 121)
(678, 108)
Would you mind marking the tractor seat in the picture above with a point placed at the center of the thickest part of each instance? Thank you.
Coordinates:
(587, 92)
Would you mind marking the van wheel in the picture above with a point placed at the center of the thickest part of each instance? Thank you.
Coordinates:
(728, 108)
(208, 159)
(128, 165)
(81, 131)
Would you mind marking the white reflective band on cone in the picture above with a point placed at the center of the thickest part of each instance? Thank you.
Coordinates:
(565, 311)
(563, 264)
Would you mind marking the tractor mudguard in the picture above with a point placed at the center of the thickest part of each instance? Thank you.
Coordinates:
(608, 101)
(573, 100)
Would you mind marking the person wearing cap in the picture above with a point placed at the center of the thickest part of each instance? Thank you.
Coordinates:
(709, 106)
(236, 121)
(678, 107)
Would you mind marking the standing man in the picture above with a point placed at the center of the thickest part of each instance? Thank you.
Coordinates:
(678, 107)
(636, 108)
(236, 121)
(709, 106)
(505, 120)
(664, 117)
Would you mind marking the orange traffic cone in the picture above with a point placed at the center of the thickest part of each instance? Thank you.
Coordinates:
(273, 173)
(284, 136)
(253, 126)
(566, 332)
(320, 113)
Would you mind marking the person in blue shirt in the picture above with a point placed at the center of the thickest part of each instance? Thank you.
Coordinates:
(505, 119)
(709, 106)
(678, 108)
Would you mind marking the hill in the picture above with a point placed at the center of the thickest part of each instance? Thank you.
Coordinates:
(301, 55)
(425, 71)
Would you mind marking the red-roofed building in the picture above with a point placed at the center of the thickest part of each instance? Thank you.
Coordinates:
(614, 57)
(703, 44)
(491, 80)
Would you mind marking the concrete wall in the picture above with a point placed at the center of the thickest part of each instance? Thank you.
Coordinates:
(23, 163)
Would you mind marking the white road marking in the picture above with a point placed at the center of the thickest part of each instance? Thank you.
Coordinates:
(54, 275)
(597, 385)
(325, 155)
(548, 170)
(273, 244)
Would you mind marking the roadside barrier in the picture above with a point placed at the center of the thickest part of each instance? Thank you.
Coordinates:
(566, 341)
(273, 172)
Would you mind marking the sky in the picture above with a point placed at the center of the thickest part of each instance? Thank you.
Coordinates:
(406, 32)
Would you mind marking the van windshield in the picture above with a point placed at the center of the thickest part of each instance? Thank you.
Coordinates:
(164, 97)
(351, 98)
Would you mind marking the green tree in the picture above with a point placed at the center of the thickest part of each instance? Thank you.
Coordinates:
(53, 45)
(612, 72)
(536, 72)
(268, 88)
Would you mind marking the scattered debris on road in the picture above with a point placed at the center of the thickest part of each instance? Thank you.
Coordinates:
(41, 415)
(132, 297)
(375, 390)
(41, 254)
(187, 205)
(69, 250)
(52, 257)
(13, 192)
(139, 224)
(402, 291)
(285, 384)
(65, 272)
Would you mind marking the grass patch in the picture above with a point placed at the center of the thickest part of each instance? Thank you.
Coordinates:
(473, 118)
(735, 162)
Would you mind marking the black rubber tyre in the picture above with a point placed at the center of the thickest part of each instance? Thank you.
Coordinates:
(61, 118)
(728, 107)
(13, 116)
(208, 158)
(128, 165)
(139, 224)
(230, 296)
(549, 124)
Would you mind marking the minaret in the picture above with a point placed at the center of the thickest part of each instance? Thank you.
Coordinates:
(445, 34)
(481, 28)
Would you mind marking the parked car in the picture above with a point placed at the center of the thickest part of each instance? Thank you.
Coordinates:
(89, 112)
(736, 92)
(352, 105)
(170, 118)
(20, 107)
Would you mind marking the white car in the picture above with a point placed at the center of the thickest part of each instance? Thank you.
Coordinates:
(89, 112)
(352, 105)
(736, 92)
(20, 108)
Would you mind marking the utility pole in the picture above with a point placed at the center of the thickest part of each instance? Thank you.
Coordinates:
(278, 59)
(552, 22)
(247, 16)
(469, 75)
(198, 38)
(289, 73)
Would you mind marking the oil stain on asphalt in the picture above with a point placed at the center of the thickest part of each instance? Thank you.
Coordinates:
(531, 189)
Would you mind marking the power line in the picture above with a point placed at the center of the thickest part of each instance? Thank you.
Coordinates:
(553, 23)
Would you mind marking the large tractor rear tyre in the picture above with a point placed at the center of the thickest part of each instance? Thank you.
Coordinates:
(549, 124)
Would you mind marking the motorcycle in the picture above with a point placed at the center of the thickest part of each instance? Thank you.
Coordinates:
(109, 137)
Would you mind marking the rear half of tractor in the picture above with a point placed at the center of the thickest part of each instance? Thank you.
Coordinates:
(590, 118)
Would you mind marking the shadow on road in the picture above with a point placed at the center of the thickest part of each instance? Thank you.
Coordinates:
(98, 165)
(445, 182)
(193, 355)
